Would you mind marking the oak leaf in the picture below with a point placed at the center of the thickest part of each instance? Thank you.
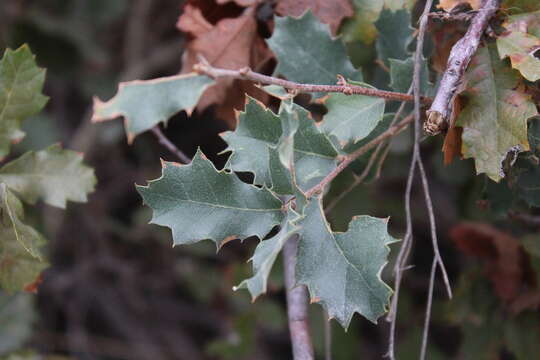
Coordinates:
(502, 254)
(329, 12)
(449, 5)
(232, 43)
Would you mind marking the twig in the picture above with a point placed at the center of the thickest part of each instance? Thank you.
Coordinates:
(527, 219)
(417, 134)
(401, 259)
(327, 337)
(360, 179)
(297, 305)
(427, 319)
(435, 242)
(348, 159)
(135, 37)
(169, 145)
(415, 161)
(247, 74)
(460, 56)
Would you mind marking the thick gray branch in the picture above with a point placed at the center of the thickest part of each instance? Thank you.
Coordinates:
(297, 305)
(460, 56)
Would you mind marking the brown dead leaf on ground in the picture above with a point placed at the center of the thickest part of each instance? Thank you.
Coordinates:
(232, 43)
(329, 12)
(448, 5)
(502, 253)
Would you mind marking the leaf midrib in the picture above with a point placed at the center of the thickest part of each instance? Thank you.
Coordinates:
(214, 205)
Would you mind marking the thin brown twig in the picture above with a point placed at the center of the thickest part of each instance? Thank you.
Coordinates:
(425, 187)
(360, 179)
(247, 74)
(163, 140)
(297, 305)
(427, 318)
(458, 61)
(135, 36)
(348, 159)
(527, 219)
(416, 160)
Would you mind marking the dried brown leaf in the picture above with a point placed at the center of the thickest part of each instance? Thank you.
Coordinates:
(502, 253)
(452, 141)
(232, 43)
(448, 5)
(329, 12)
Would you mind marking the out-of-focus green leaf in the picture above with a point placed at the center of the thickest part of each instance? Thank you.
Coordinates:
(527, 167)
(198, 202)
(242, 341)
(54, 175)
(401, 72)
(395, 34)
(16, 317)
(144, 104)
(362, 25)
(307, 53)
(352, 118)
(266, 254)
(21, 260)
(342, 270)
(520, 6)
(21, 83)
(494, 120)
(521, 42)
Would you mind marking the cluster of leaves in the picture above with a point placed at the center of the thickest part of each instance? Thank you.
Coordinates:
(288, 153)
(53, 175)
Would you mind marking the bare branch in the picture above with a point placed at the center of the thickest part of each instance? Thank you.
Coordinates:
(297, 305)
(415, 161)
(460, 56)
(429, 304)
(169, 145)
(247, 74)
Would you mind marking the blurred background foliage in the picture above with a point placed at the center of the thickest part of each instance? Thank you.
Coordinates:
(116, 290)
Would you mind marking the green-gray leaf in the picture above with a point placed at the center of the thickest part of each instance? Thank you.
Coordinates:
(21, 83)
(352, 118)
(21, 260)
(307, 53)
(144, 104)
(401, 73)
(198, 202)
(494, 120)
(259, 140)
(53, 174)
(266, 254)
(314, 154)
(254, 147)
(343, 270)
(395, 34)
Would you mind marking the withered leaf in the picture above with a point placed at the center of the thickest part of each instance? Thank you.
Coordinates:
(232, 43)
(501, 251)
(329, 12)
